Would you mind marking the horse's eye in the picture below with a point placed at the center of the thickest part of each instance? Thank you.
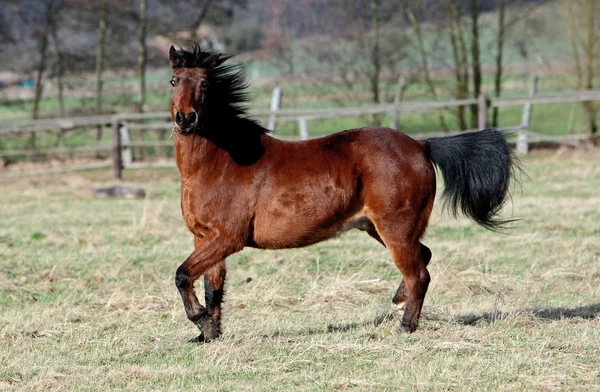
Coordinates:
(172, 83)
(204, 84)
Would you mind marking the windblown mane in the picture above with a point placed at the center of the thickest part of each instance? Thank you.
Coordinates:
(227, 95)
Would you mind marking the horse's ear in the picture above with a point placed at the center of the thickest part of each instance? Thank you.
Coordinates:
(174, 57)
(217, 59)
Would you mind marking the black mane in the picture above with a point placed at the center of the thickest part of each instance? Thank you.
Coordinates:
(227, 122)
(227, 96)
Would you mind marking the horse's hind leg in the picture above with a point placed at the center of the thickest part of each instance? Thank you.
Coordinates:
(399, 299)
(410, 256)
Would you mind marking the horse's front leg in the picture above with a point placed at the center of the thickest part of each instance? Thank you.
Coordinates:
(214, 290)
(209, 254)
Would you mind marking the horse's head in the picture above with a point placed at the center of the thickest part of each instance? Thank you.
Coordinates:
(191, 86)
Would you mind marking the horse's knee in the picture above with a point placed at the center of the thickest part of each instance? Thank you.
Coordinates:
(182, 278)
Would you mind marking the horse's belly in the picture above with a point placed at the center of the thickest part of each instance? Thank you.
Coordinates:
(285, 230)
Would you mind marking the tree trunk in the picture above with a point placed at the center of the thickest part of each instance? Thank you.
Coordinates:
(39, 87)
(198, 22)
(375, 59)
(142, 55)
(459, 54)
(476, 64)
(460, 110)
(59, 71)
(142, 67)
(99, 66)
(417, 26)
(498, 77)
(590, 41)
(568, 4)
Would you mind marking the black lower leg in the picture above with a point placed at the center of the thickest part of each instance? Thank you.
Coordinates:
(400, 296)
(213, 297)
(416, 294)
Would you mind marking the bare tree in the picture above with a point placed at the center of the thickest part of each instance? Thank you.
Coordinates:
(59, 69)
(424, 62)
(475, 58)
(280, 35)
(499, 51)
(142, 54)
(43, 34)
(582, 18)
(216, 12)
(100, 62)
(204, 7)
(358, 43)
(461, 60)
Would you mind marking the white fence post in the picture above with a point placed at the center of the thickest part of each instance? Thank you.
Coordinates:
(522, 142)
(275, 105)
(303, 128)
(127, 150)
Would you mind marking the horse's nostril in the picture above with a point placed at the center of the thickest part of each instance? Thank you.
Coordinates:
(179, 117)
(192, 118)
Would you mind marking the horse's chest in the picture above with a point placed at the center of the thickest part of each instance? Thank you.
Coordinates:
(195, 211)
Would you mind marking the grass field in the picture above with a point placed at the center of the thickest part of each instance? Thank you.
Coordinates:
(87, 299)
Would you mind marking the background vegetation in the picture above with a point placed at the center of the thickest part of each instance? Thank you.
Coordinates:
(323, 53)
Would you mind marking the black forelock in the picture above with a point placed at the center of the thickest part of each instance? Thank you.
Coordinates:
(195, 58)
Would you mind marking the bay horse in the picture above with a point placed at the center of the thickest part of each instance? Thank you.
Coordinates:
(241, 187)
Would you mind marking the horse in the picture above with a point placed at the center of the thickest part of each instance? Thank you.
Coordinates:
(242, 187)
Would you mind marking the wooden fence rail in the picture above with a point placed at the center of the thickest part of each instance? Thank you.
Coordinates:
(122, 146)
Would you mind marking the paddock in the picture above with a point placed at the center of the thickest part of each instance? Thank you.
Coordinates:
(87, 294)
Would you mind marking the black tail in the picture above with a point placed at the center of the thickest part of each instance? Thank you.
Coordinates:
(477, 169)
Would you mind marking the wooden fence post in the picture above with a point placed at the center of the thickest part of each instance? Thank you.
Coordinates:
(61, 143)
(522, 142)
(117, 158)
(397, 100)
(126, 148)
(482, 113)
(303, 128)
(275, 105)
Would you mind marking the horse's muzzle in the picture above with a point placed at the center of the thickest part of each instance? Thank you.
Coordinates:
(185, 131)
(185, 124)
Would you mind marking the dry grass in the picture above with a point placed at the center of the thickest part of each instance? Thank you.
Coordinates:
(88, 301)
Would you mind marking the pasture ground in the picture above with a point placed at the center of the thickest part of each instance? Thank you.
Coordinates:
(87, 299)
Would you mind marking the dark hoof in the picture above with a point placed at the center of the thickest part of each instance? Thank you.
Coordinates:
(198, 339)
(406, 328)
(203, 338)
(209, 332)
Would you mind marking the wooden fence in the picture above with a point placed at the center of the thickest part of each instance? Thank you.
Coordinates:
(121, 147)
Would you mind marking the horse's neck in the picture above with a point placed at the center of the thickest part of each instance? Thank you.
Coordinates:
(195, 154)
(192, 153)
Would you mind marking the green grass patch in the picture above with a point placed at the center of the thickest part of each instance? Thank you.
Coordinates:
(87, 296)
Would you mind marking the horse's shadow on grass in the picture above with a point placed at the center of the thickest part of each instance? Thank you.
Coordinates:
(587, 312)
(343, 327)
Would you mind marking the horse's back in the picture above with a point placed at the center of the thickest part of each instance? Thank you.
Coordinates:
(316, 188)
